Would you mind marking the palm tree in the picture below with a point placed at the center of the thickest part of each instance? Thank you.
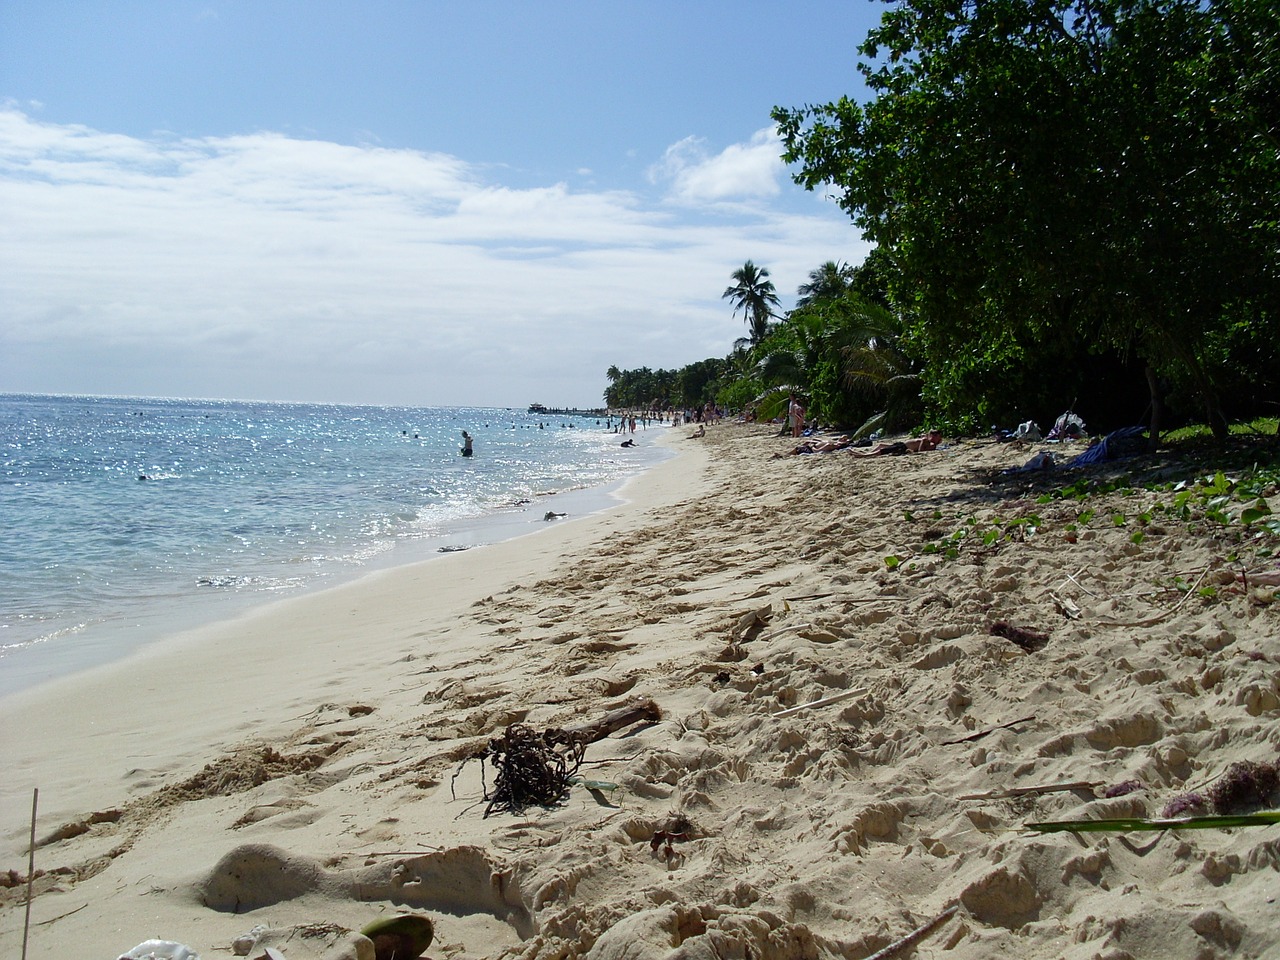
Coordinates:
(877, 366)
(754, 295)
(828, 282)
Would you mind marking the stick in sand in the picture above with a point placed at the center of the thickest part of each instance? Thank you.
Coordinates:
(916, 935)
(834, 698)
(31, 870)
(982, 733)
(1089, 785)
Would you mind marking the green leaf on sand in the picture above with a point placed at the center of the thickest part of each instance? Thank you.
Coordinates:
(1125, 824)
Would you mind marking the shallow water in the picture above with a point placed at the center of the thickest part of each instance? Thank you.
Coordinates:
(125, 518)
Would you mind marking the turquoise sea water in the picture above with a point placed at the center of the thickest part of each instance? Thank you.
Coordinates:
(125, 518)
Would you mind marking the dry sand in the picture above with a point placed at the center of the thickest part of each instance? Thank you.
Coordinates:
(300, 768)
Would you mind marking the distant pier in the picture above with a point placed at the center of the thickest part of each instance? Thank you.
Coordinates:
(537, 408)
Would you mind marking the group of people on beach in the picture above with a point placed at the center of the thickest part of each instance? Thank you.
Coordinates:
(795, 422)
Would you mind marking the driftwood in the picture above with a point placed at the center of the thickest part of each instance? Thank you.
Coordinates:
(915, 936)
(834, 698)
(1089, 785)
(642, 711)
(982, 733)
(31, 870)
(1169, 611)
(750, 624)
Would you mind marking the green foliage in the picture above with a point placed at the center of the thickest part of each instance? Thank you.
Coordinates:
(845, 353)
(1047, 177)
(1236, 506)
(1216, 498)
(698, 382)
(641, 389)
(1260, 425)
(1265, 818)
(737, 394)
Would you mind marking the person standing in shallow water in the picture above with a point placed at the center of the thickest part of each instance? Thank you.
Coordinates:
(466, 444)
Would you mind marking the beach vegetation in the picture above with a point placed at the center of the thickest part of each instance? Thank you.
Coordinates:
(830, 281)
(1058, 184)
(1068, 201)
(640, 389)
(843, 349)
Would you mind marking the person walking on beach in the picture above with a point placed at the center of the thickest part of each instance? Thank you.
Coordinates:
(466, 450)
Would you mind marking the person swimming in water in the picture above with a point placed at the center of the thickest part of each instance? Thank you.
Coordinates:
(466, 450)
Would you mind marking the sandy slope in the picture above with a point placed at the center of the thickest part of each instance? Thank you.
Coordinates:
(300, 767)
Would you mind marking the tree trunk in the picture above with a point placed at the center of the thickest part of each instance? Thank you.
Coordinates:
(1157, 409)
(1217, 420)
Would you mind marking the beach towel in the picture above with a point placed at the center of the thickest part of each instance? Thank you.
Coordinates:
(1114, 446)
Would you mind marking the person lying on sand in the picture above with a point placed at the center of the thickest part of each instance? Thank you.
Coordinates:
(700, 432)
(929, 441)
(817, 446)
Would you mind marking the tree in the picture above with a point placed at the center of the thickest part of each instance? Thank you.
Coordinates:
(878, 369)
(847, 355)
(753, 294)
(827, 282)
(697, 382)
(1049, 176)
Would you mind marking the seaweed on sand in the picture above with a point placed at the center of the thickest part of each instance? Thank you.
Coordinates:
(1028, 640)
(532, 768)
(1245, 786)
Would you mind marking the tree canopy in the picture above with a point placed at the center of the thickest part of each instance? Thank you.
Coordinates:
(1046, 176)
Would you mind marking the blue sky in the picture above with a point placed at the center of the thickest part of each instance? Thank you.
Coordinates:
(398, 202)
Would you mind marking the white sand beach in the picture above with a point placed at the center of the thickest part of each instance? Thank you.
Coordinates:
(300, 768)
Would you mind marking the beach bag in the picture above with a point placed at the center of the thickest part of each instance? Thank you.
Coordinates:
(1067, 425)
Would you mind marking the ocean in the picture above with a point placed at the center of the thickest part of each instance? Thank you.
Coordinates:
(125, 519)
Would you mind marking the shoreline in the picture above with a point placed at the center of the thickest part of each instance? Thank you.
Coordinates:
(103, 641)
(847, 748)
(156, 669)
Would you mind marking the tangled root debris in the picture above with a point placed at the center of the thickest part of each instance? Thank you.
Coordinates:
(533, 769)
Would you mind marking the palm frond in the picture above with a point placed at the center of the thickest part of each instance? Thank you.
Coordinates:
(1125, 824)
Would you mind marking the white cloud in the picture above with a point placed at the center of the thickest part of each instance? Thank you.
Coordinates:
(742, 171)
(265, 266)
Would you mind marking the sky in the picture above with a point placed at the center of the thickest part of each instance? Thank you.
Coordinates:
(400, 201)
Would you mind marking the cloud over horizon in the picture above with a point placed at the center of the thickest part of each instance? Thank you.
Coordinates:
(289, 268)
(741, 171)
